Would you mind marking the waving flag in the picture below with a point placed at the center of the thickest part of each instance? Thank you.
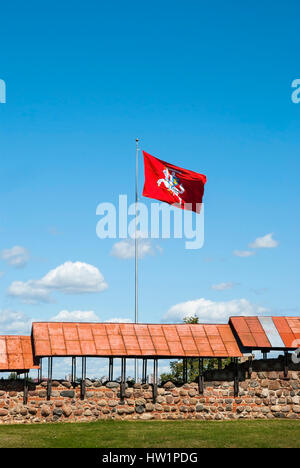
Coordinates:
(172, 184)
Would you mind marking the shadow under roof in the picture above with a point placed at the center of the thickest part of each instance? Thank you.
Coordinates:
(267, 332)
(133, 340)
(16, 353)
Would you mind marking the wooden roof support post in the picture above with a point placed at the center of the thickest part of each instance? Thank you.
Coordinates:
(184, 370)
(236, 377)
(25, 395)
(83, 377)
(155, 379)
(111, 369)
(219, 363)
(49, 383)
(201, 376)
(40, 371)
(250, 366)
(144, 374)
(285, 364)
(73, 374)
(123, 379)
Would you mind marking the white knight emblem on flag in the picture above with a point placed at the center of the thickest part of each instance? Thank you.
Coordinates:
(172, 184)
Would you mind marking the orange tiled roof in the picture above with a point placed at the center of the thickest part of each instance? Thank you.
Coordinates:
(16, 353)
(267, 332)
(133, 340)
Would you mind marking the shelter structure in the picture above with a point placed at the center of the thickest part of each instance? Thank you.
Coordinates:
(241, 336)
(16, 355)
(267, 334)
(144, 341)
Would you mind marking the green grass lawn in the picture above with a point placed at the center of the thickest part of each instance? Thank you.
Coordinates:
(154, 434)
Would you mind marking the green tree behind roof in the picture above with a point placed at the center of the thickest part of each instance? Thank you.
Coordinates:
(176, 367)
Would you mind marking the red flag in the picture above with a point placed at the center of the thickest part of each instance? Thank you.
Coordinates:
(172, 184)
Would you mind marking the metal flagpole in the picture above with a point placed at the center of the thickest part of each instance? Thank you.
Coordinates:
(136, 370)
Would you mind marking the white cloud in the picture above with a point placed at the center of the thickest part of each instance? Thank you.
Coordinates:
(243, 253)
(126, 249)
(69, 278)
(84, 316)
(210, 311)
(223, 286)
(265, 242)
(29, 292)
(14, 323)
(17, 256)
(75, 278)
(119, 320)
(76, 316)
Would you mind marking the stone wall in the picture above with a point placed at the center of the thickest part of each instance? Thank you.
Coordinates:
(265, 394)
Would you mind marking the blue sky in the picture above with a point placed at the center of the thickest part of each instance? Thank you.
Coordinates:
(204, 86)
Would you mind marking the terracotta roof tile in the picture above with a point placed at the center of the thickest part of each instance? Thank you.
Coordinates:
(141, 329)
(43, 347)
(171, 332)
(70, 331)
(88, 348)
(176, 348)
(128, 329)
(84, 331)
(16, 353)
(101, 342)
(73, 348)
(145, 342)
(189, 345)
(184, 330)
(156, 330)
(3, 353)
(133, 340)
(267, 332)
(55, 329)
(13, 345)
(161, 345)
